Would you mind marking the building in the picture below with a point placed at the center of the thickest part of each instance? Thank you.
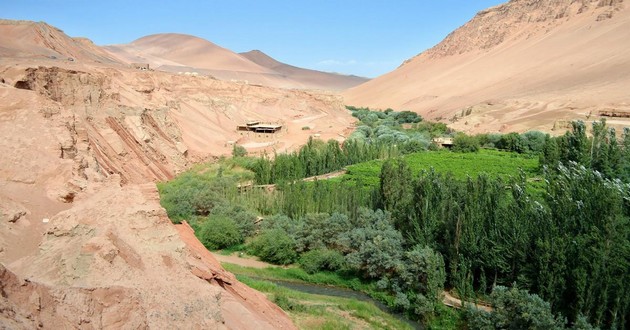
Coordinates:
(140, 66)
(259, 128)
(444, 142)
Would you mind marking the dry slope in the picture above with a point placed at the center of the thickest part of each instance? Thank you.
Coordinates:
(180, 53)
(521, 65)
(84, 242)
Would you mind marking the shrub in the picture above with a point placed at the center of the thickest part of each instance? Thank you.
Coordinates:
(239, 151)
(534, 141)
(511, 142)
(514, 309)
(287, 304)
(408, 117)
(465, 143)
(321, 259)
(244, 219)
(219, 232)
(275, 246)
(305, 128)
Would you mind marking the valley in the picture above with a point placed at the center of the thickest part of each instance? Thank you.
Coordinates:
(489, 173)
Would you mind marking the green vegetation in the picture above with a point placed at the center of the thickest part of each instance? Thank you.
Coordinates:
(602, 152)
(404, 227)
(310, 311)
(514, 309)
(220, 232)
(275, 246)
(238, 151)
(296, 274)
(461, 165)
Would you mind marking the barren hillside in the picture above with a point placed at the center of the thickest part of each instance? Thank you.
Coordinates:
(180, 53)
(521, 65)
(38, 40)
(83, 240)
(312, 78)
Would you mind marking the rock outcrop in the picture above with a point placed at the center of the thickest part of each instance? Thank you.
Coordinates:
(84, 242)
(115, 260)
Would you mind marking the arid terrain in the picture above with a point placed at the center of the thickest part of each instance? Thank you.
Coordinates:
(180, 53)
(84, 242)
(518, 66)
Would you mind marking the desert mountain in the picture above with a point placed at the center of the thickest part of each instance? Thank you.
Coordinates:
(37, 40)
(517, 66)
(318, 79)
(84, 242)
(173, 52)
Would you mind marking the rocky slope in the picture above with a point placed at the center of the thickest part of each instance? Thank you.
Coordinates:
(180, 53)
(521, 65)
(38, 40)
(84, 242)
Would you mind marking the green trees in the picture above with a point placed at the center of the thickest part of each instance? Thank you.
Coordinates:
(564, 238)
(219, 232)
(275, 246)
(492, 233)
(316, 158)
(372, 246)
(465, 143)
(421, 277)
(589, 225)
(602, 152)
(191, 195)
(514, 309)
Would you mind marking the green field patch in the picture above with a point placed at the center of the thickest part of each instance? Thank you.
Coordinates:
(460, 165)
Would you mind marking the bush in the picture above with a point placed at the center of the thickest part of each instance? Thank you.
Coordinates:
(287, 304)
(239, 151)
(321, 259)
(514, 309)
(534, 141)
(244, 219)
(465, 143)
(511, 142)
(408, 117)
(219, 232)
(275, 246)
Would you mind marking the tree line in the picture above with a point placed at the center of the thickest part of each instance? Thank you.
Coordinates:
(564, 253)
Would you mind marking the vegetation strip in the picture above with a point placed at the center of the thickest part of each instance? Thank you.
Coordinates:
(410, 226)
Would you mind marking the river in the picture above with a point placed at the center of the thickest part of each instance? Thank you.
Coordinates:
(339, 292)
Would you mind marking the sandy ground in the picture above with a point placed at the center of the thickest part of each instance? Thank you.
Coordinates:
(518, 66)
(242, 260)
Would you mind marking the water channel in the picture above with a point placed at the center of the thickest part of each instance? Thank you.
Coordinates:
(339, 292)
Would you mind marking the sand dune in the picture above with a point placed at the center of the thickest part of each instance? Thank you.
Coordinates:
(517, 66)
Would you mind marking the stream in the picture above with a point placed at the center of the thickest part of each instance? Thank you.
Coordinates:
(339, 292)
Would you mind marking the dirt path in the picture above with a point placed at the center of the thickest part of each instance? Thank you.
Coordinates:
(326, 176)
(245, 261)
(272, 187)
(451, 301)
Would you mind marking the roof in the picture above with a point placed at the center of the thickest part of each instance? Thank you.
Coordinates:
(270, 126)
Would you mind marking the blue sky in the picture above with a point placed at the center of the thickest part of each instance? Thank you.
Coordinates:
(366, 38)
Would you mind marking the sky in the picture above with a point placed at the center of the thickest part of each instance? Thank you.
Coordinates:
(362, 37)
